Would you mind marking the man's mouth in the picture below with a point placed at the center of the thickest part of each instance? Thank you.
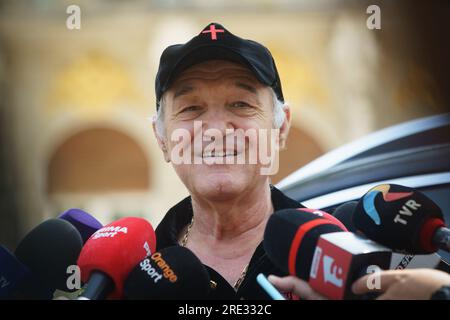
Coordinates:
(219, 154)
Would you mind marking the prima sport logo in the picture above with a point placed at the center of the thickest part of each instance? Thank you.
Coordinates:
(109, 232)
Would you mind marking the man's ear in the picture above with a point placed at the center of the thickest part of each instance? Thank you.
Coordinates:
(162, 142)
(284, 129)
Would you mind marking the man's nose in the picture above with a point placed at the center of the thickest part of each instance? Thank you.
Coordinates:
(218, 119)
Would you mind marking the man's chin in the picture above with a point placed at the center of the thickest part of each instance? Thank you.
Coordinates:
(220, 187)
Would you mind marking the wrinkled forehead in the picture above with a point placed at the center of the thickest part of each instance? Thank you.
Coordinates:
(216, 70)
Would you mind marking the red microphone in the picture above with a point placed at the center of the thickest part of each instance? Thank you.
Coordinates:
(111, 253)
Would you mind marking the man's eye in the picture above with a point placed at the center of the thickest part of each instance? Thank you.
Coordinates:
(240, 104)
(190, 108)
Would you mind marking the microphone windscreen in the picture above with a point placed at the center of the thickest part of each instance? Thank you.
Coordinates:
(290, 239)
(115, 249)
(325, 215)
(49, 249)
(172, 273)
(12, 271)
(344, 213)
(395, 216)
(85, 223)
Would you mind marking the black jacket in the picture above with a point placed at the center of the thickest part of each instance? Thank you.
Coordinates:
(181, 214)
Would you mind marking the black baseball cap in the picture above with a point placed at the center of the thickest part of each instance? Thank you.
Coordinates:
(215, 42)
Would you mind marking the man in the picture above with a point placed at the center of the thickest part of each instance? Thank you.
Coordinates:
(218, 81)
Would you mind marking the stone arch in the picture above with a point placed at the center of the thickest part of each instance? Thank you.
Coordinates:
(98, 160)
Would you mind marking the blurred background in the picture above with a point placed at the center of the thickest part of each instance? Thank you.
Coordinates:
(75, 104)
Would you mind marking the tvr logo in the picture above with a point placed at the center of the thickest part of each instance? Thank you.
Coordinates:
(407, 210)
(369, 200)
(331, 272)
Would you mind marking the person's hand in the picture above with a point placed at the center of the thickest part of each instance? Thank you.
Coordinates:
(296, 286)
(412, 284)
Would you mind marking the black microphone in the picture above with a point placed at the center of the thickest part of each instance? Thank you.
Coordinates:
(291, 236)
(47, 251)
(344, 213)
(317, 250)
(403, 219)
(172, 273)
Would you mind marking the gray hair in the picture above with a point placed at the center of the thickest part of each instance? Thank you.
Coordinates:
(278, 114)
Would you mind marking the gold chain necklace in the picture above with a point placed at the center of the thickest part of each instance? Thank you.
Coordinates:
(183, 243)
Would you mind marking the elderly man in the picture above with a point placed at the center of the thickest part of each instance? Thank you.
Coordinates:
(220, 81)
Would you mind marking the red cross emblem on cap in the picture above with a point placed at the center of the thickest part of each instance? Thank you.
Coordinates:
(213, 31)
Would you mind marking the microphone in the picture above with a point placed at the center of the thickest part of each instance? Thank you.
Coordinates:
(85, 223)
(111, 253)
(319, 251)
(291, 236)
(172, 273)
(403, 219)
(47, 251)
(345, 213)
(325, 215)
(12, 271)
(340, 258)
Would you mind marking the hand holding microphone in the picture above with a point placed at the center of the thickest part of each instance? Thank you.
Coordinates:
(296, 286)
(414, 284)
(292, 284)
(400, 218)
(318, 250)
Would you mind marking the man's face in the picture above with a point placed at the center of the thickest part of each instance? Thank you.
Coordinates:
(221, 95)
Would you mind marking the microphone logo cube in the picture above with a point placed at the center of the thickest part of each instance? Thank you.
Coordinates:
(331, 272)
(330, 269)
